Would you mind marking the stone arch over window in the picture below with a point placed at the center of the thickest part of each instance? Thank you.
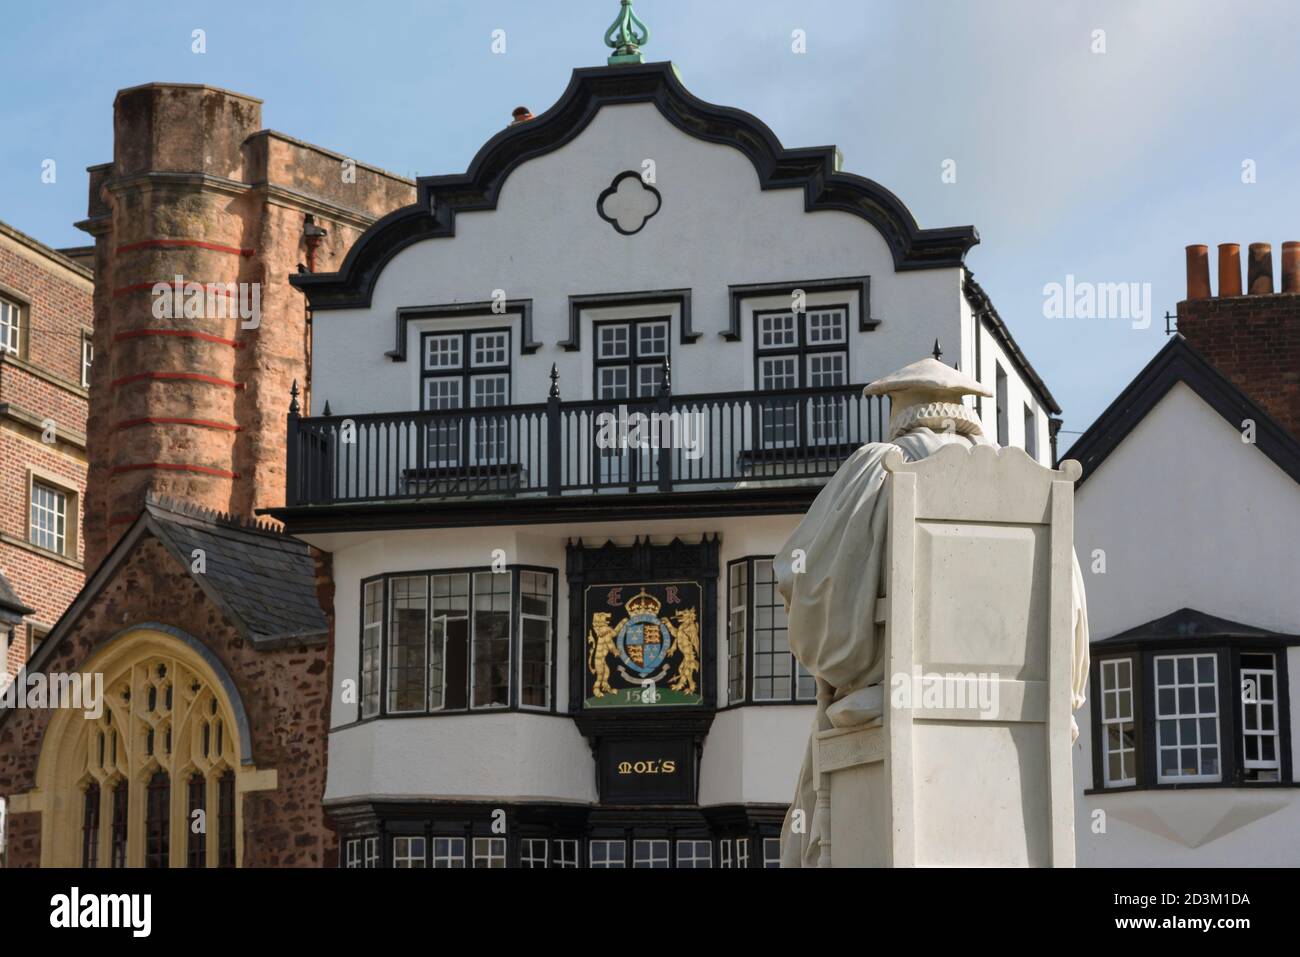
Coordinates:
(172, 730)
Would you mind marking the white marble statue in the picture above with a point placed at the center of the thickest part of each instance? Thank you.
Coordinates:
(830, 572)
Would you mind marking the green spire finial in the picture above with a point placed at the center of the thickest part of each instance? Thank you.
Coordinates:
(626, 35)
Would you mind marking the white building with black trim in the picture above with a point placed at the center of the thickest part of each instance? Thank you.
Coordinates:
(551, 651)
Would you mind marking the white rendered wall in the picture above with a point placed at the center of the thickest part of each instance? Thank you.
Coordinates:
(1189, 516)
(752, 754)
(992, 357)
(546, 242)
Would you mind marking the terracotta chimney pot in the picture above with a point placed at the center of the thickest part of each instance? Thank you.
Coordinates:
(1291, 267)
(1229, 269)
(1259, 270)
(1198, 272)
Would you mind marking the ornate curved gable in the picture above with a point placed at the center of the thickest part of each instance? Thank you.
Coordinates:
(811, 169)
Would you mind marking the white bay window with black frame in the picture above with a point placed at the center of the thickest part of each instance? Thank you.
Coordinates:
(805, 349)
(760, 666)
(1176, 717)
(457, 640)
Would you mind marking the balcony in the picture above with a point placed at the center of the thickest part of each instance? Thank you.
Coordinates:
(720, 441)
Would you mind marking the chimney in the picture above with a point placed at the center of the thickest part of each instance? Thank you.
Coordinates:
(1253, 339)
(1291, 267)
(1229, 269)
(1259, 270)
(1198, 272)
(521, 114)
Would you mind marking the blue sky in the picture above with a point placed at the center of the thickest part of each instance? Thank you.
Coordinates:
(1069, 162)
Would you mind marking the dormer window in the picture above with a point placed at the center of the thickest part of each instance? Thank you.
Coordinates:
(471, 369)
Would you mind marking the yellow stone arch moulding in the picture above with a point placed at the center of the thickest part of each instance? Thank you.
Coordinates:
(173, 736)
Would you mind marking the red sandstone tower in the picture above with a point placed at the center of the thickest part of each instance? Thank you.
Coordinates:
(194, 407)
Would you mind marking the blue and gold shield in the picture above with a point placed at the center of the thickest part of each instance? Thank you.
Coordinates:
(642, 645)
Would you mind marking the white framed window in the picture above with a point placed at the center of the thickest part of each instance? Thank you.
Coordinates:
(533, 852)
(372, 630)
(771, 852)
(536, 602)
(826, 368)
(647, 852)
(449, 852)
(353, 859)
(724, 853)
(1261, 752)
(827, 326)
(612, 341)
(566, 853)
(1187, 718)
(442, 351)
(607, 855)
(87, 358)
(1118, 729)
(10, 326)
(777, 330)
(408, 644)
(490, 641)
(489, 852)
(742, 852)
(442, 393)
(737, 633)
(49, 517)
(372, 852)
(489, 348)
(629, 357)
(694, 854)
(408, 852)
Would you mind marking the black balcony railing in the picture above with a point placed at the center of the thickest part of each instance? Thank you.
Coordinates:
(589, 446)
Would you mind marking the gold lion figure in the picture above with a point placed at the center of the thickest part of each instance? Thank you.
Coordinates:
(600, 645)
(686, 641)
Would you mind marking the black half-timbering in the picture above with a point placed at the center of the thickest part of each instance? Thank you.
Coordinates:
(476, 834)
(1191, 701)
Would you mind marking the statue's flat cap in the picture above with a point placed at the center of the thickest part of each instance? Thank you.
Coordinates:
(928, 375)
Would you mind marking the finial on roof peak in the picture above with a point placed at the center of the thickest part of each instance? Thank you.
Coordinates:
(626, 35)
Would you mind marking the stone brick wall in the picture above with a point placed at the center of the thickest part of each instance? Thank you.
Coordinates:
(1254, 340)
(194, 408)
(286, 694)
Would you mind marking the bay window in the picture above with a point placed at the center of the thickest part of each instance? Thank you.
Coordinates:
(457, 640)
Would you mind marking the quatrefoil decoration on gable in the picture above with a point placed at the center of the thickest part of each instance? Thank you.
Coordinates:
(629, 203)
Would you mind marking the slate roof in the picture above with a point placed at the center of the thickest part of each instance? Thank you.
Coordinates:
(263, 579)
(12, 609)
(1177, 627)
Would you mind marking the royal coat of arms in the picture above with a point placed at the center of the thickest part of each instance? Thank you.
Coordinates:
(650, 653)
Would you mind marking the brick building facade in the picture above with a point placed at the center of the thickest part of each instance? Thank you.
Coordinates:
(45, 327)
(186, 605)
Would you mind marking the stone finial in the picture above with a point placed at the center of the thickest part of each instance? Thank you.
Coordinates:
(626, 35)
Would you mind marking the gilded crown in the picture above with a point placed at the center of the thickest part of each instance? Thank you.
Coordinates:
(642, 604)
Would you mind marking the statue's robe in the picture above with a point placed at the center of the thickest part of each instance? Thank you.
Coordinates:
(839, 548)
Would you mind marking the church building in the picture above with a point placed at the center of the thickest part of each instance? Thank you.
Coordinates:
(568, 405)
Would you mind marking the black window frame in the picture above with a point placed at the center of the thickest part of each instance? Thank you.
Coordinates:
(1228, 683)
(157, 820)
(91, 808)
(800, 352)
(466, 370)
(516, 644)
(750, 700)
(633, 360)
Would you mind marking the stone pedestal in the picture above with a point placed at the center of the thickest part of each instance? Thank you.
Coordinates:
(969, 765)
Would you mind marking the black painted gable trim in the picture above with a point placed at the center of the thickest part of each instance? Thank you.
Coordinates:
(858, 285)
(812, 169)
(523, 308)
(681, 298)
(986, 314)
(1179, 362)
